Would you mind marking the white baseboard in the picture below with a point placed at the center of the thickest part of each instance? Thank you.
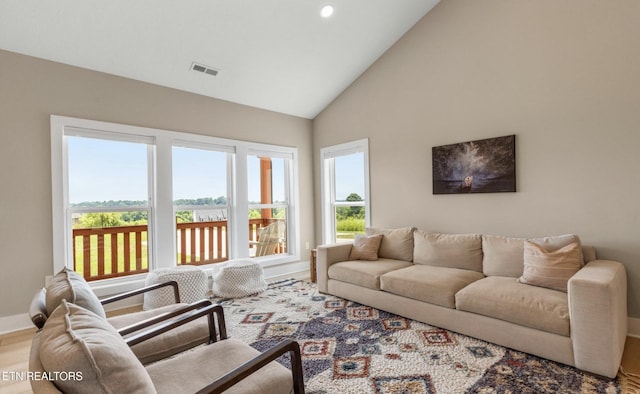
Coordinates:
(634, 327)
(13, 323)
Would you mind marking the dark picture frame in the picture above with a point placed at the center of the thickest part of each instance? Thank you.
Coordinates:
(481, 166)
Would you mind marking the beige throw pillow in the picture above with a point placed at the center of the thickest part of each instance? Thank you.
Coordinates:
(70, 286)
(365, 248)
(558, 241)
(75, 340)
(551, 269)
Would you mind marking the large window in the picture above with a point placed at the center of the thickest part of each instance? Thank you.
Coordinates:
(128, 199)
(109, 205)
(345, 191)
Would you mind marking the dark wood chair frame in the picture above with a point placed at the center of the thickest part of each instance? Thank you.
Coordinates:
(219, 332)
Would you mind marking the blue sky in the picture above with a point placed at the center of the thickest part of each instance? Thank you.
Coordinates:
(102, 170)
(349, 175)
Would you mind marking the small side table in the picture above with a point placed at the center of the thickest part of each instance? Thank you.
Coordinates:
(312, 269)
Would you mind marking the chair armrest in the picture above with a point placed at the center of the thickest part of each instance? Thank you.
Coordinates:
(189, 316)
(246, 369)
(160, 318)
(598, 314)
(327, 255)
(145, 289)
(38, 308)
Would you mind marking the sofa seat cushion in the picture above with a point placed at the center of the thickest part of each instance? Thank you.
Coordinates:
(169, 343)
(179, 375)
(506, 299)
(365, 273)
(435, 285)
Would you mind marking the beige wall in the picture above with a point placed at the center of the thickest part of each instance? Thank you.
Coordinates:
(32, 89)
(563, 76)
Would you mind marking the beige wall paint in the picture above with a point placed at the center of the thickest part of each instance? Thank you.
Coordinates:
(563, 76)
(32, 89)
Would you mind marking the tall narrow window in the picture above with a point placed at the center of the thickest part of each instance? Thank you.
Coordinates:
(345, 191)
(268, 204)
(108, 206)
(201, 205)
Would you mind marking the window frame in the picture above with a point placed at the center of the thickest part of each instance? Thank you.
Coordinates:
(328, 192)
(162, 222)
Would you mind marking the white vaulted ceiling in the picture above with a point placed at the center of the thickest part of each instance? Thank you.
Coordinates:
(280, 55)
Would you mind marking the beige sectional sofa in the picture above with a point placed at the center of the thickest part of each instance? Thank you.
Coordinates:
(492, 288)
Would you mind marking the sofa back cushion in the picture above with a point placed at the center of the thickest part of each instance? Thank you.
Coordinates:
(463, 251)
(504, 256)
(69, 285)
(76, 340)
(395, 244)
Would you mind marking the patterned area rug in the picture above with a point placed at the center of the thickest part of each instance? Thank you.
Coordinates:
(351, 348)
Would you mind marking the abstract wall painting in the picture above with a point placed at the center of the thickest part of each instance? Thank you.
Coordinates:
(482, 166)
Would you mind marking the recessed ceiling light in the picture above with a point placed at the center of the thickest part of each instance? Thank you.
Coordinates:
(326, 11)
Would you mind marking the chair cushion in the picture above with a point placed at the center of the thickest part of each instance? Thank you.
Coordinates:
(76, 339)
(506, 299)
(169, 343)
(550, 269)
(435, 285)
(364, 273)
(396, 243)
(463, 251)
(191, 371)
(365, 247)
(69, 285)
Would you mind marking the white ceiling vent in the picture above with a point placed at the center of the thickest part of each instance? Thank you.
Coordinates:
(204, 69)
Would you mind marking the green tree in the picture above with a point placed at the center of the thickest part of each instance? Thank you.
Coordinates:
(135, 217)
(92, 220)
(184, 216)
(350, 212)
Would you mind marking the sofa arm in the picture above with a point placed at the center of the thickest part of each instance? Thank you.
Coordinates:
(598, 314)
(327, 255)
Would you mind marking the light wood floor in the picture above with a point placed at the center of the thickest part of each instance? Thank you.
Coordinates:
(14, 357)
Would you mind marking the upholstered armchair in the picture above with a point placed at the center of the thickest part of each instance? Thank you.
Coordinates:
(95, 358)
(72, 287)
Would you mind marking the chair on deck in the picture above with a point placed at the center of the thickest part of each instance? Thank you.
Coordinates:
(69, 285)
(269, 238)
(94, 358)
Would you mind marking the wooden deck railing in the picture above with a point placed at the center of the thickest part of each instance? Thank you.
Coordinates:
(109, 252)
(102, 253)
